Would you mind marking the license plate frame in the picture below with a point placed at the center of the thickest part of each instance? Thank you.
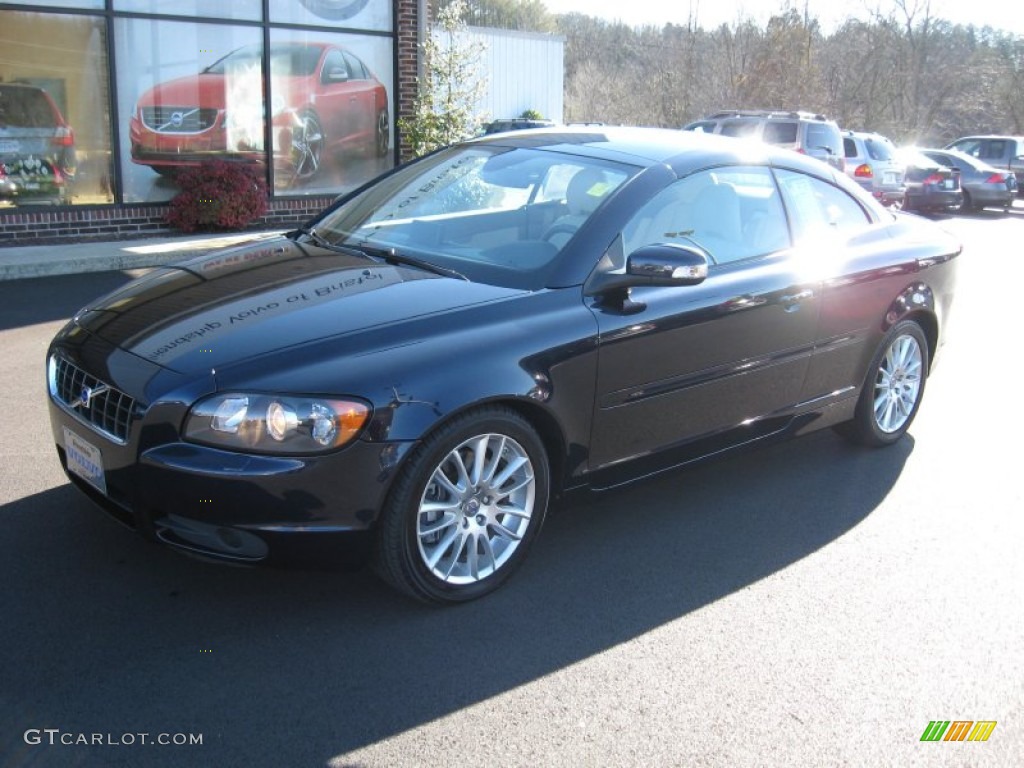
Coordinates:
(85, 460)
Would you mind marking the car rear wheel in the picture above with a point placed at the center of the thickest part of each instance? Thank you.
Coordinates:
(465, 508)
(382, 134)
(893, 390)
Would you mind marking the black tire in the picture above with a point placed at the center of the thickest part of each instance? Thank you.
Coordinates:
(894, 384)
(486, 542)
(968, 204)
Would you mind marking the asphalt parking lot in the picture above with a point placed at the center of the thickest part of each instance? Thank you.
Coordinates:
(805, 604)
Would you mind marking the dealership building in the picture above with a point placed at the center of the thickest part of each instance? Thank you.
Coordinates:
(102, 102)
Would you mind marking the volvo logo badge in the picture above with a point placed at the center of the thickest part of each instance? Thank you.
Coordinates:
(87, 394)
(177, 118)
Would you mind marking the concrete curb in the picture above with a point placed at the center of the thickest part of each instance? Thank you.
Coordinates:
(18, 262)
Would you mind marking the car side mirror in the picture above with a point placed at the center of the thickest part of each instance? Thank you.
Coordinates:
(337, 75)
(665, 264)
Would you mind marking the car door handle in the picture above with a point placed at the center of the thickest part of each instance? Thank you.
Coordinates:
(792, 300)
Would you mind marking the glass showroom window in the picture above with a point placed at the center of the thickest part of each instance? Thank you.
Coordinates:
(330, 110)
(249, 10)
(186, 93)
(352, 14)
(54, 116)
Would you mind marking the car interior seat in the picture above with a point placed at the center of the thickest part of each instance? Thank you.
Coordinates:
(585, 191)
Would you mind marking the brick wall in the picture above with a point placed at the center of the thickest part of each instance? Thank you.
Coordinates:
(407, 76)
(27, 226)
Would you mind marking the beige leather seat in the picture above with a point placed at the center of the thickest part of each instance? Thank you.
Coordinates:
(583, 194)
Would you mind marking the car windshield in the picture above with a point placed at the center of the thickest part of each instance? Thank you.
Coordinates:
(879, 149)
(494, 214)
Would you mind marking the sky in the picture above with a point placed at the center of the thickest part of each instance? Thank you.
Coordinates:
(1007, 15)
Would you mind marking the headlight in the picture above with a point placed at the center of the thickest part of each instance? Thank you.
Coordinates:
(275, 423)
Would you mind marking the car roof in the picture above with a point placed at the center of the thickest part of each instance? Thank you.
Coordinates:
(684, 151)
(956, 154)
(986, 136)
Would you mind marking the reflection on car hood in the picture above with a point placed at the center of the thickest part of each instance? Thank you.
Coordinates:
(238, 304)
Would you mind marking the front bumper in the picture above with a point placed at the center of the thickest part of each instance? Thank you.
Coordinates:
(312, 510)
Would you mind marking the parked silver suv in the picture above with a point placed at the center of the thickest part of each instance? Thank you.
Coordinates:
(871, 162)
(808, 133)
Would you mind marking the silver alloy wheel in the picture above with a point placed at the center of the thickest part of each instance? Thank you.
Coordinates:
(476, 509)
(898, 384)
(307, 146)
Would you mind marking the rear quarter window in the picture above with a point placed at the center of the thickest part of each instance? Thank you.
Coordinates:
(780, 132)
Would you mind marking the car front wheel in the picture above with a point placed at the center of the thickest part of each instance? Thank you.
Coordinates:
(893, 390)
(465, 508)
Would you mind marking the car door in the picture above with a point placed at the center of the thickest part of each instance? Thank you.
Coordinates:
(684, 363)
(335, 92)
(361, 102)
(836, 238)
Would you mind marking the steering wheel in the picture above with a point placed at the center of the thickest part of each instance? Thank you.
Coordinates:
(563, 228)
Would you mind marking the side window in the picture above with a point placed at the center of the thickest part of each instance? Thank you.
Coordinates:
(994, 149)
(739, 128)
(970, 147)
(849, 147)
(707, 126)
(356, 70)
(818, 210)
(734, 213)
(334, 70)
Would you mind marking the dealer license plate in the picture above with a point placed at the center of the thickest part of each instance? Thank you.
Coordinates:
(85, 460)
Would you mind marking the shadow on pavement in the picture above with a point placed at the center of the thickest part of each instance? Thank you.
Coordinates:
(107, 633)
(44, 299)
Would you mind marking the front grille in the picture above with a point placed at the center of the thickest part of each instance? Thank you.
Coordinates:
(178, 119)
(109, 410)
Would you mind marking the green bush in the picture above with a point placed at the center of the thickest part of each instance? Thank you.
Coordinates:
(218, 194)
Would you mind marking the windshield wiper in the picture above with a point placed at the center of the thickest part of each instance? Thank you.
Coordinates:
(322, 242)
(391, 256)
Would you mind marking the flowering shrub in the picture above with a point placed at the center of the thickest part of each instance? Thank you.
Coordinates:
(218, 195)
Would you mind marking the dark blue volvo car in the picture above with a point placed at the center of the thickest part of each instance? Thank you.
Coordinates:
(410, 378)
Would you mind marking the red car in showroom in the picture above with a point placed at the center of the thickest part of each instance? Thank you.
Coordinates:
(323, 100)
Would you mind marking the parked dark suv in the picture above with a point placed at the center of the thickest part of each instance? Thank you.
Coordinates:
(37, 147)
(808, 133)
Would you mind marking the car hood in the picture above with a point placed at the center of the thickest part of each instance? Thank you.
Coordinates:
(204, 90)
(240, 304)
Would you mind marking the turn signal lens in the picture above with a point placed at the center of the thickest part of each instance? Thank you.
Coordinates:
(863, 171)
